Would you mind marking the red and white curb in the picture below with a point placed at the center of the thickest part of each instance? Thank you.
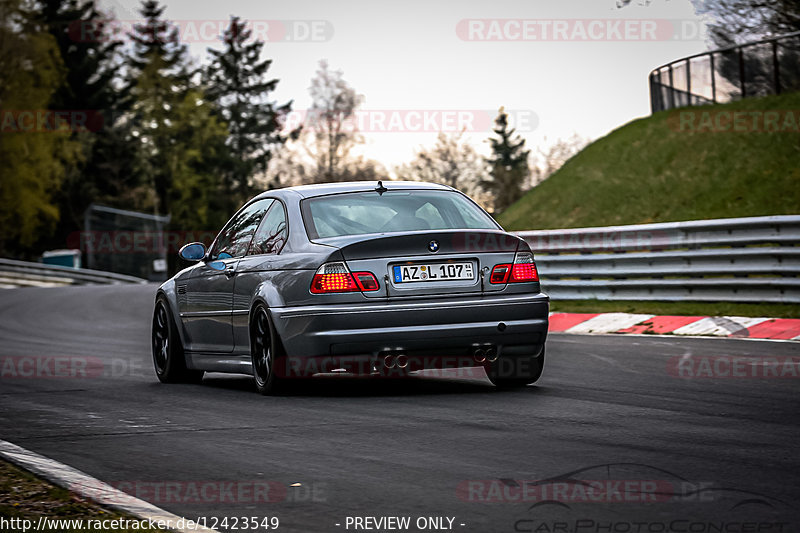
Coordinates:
(93, 489)
(717, 326)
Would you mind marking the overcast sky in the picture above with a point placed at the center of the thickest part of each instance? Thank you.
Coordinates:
(461, 56)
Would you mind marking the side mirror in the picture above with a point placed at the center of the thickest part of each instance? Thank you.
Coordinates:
(193, 252)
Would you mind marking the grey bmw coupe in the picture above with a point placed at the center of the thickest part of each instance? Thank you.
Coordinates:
(360, 277)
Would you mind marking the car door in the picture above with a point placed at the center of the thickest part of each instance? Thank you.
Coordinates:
(262, 262)
(209, 290)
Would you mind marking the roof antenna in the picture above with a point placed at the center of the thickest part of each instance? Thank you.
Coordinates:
(380, 188)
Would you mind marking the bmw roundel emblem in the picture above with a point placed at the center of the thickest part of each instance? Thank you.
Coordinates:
(433, 246)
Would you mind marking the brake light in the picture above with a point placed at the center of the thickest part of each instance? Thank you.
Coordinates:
(524, 272)
(336, 277)
(523, 269)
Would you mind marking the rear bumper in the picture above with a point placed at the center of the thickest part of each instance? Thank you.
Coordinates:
(441, 332)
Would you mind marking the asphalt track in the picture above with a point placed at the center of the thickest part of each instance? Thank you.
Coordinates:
(722, 452)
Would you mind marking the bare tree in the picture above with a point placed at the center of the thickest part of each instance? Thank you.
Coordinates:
(740, 21)
(451, 161)
(331, 121)
(288, 166)
(363, 169)
(292, 165)
(546, 162)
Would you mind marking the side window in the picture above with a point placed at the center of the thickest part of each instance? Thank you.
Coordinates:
(235, 238)
(272, 233)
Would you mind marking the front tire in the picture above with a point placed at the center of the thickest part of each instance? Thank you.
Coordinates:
(515, 372)
(263, 352)
(168, 356)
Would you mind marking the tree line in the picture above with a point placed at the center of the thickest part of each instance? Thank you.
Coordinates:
(86, 119)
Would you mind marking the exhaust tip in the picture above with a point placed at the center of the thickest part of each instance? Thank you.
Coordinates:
(389, 361)
(491, 354)
(402, 360)
(479, 355)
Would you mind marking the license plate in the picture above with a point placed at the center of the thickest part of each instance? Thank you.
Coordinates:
(433, 272)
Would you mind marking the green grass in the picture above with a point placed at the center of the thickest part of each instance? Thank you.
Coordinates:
(678, 308)
(648, 171)
(27, 497)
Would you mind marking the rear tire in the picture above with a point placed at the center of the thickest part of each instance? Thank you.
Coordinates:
(168, 356)
(515, 372)
(263, 352)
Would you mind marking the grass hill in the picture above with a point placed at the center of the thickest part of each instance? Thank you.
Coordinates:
(671, 167)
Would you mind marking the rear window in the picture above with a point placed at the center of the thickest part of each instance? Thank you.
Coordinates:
(361, 213)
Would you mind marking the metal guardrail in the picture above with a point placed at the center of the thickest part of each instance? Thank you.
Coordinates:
(25, 274)
(753, 259)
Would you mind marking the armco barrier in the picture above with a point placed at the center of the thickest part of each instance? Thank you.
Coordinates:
(753, 259)
(24, 274)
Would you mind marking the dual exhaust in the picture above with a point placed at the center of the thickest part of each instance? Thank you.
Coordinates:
(399, 360)
(485, 354)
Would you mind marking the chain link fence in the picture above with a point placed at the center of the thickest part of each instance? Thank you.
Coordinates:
(761, 68)
(125, 242)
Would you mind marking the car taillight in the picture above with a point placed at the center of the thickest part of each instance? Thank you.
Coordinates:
(366, 281)
(523, 269)
(335, 277)
(500, 274)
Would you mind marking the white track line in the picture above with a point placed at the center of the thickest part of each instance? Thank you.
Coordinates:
(91, 488)
(669, 336)
(608, 323)
(721, 326)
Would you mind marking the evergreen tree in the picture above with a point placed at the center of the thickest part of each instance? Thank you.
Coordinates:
(157, 41)
(87, 52)
(237, 82)
(199, 142)
(508, 165)
(90, 57)
(181, 138)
